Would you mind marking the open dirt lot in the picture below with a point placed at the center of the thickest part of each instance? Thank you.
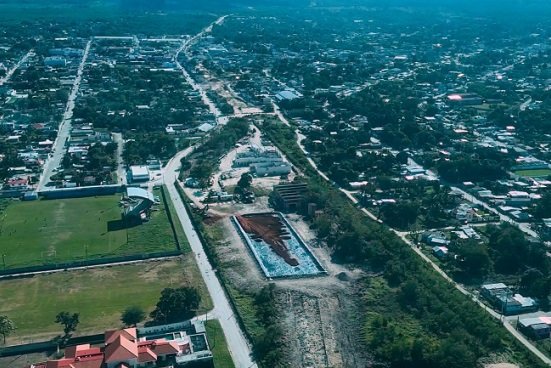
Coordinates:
(320, 317)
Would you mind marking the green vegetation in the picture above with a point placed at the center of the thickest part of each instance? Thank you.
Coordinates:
(64, 230)
(218, 345)
(413, 316)
(255, 310)
(132, 316)
(543, 208)
(98, 295)
(180, 234)
(107, 11)
(534, 173)
(259, 317)
(176, 305)
(7, 327)
(207, 154)
(143, 145)
(68, 321)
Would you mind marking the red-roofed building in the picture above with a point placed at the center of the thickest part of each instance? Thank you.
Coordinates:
(165, 348)
(145, 355)
(129, 333)
(122, 349)
(17, 183)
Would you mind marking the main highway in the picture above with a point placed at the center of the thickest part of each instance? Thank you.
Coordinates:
(238, 345)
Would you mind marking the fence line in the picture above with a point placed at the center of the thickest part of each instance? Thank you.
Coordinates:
(65, 266)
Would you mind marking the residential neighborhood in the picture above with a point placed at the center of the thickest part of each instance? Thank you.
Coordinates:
(275, 184)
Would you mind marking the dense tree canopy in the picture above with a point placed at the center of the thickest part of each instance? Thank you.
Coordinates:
(176, 305)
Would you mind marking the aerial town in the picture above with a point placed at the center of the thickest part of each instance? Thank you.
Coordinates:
(274, 184)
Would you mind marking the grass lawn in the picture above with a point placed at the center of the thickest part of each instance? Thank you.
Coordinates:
(51, 231)
(184, 244)
(99, 295)
(538, 173)
(218, 345)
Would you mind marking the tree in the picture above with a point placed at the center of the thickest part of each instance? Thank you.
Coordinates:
(68, 320)
(132, 316)
(543, 208)
(535, 284)
(6, 327)
(176, 305)
(476, 260)
(245, 181)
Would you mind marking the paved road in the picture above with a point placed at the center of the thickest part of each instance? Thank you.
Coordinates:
(237, 343)
(522, 226)
(64, 130)
(196, 86)
(12, 70)
(213, 285)
(121, 172)
(403, 236)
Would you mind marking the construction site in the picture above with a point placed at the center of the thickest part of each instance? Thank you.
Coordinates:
(256, 246)
(279, 251)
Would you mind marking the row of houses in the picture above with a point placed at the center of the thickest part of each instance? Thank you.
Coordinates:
(506, 301)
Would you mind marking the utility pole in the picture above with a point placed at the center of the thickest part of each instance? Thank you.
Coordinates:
(4, 261)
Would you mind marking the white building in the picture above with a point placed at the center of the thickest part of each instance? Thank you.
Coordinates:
(139, 174)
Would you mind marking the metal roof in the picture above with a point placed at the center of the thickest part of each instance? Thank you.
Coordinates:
(133, 192)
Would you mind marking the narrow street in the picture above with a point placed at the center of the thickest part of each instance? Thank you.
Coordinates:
(12, 70)
(121, 172)
(424, 257)
(402, 235)
(64, 130)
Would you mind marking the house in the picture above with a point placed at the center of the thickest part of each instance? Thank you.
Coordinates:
(205, 127)
(436, 239)
(504, 300)
(192, 183)
(17, 183)
(256, 155)
(287, 95)
(537, 328)
(55, 61)
(464, 212)
(154, 164)
(440, 252)
(270, 169)
(137, 348)
(465, 99)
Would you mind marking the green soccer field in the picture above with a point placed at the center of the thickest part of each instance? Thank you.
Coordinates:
(99, 295)
(53, 231)
(536, 173)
